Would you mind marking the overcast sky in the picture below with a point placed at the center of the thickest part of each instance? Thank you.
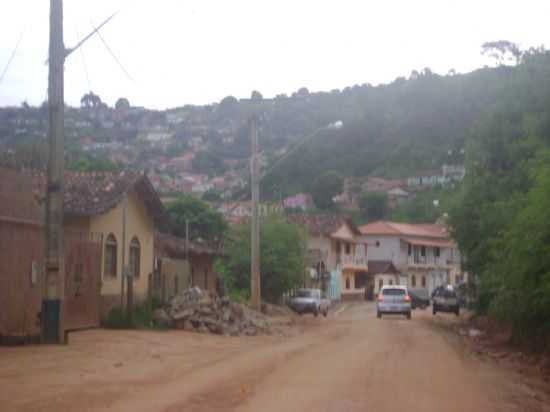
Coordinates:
(199, 51)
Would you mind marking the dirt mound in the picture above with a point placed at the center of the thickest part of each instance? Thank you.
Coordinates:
(200, 311)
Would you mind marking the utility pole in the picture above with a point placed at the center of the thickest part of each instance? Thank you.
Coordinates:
(53, 294)
(52, 304)
(255, 286)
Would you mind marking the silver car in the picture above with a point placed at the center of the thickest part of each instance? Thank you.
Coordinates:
(393, 300)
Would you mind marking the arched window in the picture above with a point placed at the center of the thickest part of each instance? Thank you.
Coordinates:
(135, 257)
(109, 260)
(413, 281)
(423, 281)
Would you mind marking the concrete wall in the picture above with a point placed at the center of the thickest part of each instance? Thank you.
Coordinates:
(323, 244)
(383, 279)
(139, 225)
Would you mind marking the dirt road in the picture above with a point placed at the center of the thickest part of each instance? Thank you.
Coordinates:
(350, 361)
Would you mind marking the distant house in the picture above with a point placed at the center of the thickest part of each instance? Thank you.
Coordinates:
(448, 175)
(424, 254)
(302, 201)
(180, 265)
(378, 184)
(183, 162)
(333, 246)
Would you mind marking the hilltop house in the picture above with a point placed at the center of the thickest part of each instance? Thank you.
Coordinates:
(302, 201)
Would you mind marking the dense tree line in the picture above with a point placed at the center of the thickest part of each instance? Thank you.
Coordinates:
(501, 215)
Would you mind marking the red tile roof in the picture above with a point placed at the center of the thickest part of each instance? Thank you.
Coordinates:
(404, 229)
(167, 245)
(95, 193)
(319, 224)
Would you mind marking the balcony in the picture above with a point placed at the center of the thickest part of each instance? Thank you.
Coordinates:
(429, 262)
(352, 262)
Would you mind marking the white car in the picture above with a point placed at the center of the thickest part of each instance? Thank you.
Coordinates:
(310, 301)
(393, 299)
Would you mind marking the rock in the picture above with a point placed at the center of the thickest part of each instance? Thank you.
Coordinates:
(183, 314)
(161, 318)
(200, 311)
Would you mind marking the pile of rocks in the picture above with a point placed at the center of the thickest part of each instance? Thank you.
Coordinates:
(199, 311)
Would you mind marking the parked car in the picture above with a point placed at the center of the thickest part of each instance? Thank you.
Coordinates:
(393, 300)
(309, 301)
(445, 299)
(420, 298)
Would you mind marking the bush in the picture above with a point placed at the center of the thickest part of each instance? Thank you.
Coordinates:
(142, 317)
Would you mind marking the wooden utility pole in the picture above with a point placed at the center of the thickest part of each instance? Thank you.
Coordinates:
(52, 305)
(255, 285)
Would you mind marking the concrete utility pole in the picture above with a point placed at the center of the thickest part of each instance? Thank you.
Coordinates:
(53, 328)
(52, 305)
(255, 285)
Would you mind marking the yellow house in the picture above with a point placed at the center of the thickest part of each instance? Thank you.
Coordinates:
(121, 210)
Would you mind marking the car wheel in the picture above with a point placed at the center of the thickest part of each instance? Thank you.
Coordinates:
(409, 315)
(316, 313)
(457, 312)
(378, 315)
(325, 313)
(434, 311)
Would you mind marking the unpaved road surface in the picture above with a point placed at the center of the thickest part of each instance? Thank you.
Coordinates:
(350, 361)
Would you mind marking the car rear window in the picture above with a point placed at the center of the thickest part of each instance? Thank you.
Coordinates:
(393, 292)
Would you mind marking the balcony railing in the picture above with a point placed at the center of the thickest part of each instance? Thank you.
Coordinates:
(351, 260)
(429, 261)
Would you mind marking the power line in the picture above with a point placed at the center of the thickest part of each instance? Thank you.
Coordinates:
(113, 55)
(278, 162)
(12, 56)
(84, 62)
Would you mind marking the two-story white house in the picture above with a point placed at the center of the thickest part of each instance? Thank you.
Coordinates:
(424, 254)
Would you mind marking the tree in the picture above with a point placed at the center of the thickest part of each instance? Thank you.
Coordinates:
(90, 101)
(374, 205)
(204, 222)
(256, 95)
(211, 196)
(282, 258)
(122, 104)
(502, 51)
(208, 163)
(325, 187)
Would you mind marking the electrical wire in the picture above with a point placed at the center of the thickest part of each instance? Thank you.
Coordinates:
(14, 52)
(84, 62)
(113, 55)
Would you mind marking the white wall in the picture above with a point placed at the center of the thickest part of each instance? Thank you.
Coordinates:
(389, 248)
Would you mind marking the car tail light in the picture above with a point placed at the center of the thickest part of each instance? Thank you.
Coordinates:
(380, 297)
(407, 298)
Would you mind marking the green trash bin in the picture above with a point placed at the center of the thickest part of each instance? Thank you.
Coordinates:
(50, 320)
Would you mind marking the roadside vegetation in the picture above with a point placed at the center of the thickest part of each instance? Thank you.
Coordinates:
(501, 214)
(282, 260)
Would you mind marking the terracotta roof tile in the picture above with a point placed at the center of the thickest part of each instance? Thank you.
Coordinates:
(404, 229)
(94, 193)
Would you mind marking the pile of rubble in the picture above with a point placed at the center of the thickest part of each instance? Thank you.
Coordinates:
(199, 311)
